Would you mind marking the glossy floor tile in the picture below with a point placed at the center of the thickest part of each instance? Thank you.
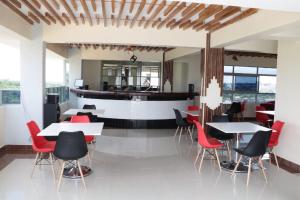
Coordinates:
(142, 165)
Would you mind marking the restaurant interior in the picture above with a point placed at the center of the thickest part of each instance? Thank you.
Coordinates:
(149, 99)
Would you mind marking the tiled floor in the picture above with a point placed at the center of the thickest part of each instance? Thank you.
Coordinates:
(142, 165)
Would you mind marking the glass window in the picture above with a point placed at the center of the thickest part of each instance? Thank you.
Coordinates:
(227, 96)
(10, 74)
(227, 85)
(261, 98)
(267, 84)
(245, 70)
(228, 69)
(267, 71)
(245, 83)
(240, 96)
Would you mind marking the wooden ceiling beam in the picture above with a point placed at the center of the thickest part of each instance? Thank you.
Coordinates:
(132, 4)
(16, 3)
(35, 11)
(82, 18)
(55, 4)
(173, 21)
(239, 17)
(156, 12)
(104, 12)
(151, 6)
(33, 17)
(52, 11)
(86, 11)
(69, 10)
(170, 7)
(112, 18)
(94, 5)
(113, 5)
(188, 9)
(122, 5)
(66, 18)
(172, 14)
(97, 19)
(74, 4)
(206, 13)
(138, 12)
(228, 11)
(156, 22)
(36, 4)
(142, 21)
(52, 19)
(126, 21)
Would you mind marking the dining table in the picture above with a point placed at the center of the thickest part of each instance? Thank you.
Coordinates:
(268, 112)
(237, 128)
(95, 129)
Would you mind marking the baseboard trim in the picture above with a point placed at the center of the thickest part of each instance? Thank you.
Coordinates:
(286, 164)
(16, 149)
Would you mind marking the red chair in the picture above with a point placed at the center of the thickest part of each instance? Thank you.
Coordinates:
(207, 144)
(273, 142)
(40, 145)
(261, 117)
(83, 119)
(190, 118)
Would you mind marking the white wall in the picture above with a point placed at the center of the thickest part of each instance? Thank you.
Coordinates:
(251, 61)
(180, 73)
(263, 46)
(91, 73)
(287, 99)
(59, 49)
(2, 124)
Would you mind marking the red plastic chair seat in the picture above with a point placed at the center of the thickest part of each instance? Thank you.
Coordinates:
(83, 119)
(45, 148)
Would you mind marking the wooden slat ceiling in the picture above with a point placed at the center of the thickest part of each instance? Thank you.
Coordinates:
(144, 13)
(119, 47)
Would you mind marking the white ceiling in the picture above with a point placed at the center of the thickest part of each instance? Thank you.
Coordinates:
(279, 5)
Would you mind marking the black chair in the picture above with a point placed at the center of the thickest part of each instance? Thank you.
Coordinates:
(181, 124)
(93, 118)
(88, 106)
(70, 146)
(219, 135)
(234, 109)
(257, 147)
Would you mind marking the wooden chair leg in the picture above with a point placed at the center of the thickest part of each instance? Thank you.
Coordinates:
(81, 174)
(202, 157)
(61, 174)
(249, 171)
(276, 160)
(228, 151)
(34, 164)
(199, 152)
(52, 165)
(262, 169)
(191, 135)
(180, 134)
(218, 160)
(237, 165)
(89, 157)
(176, 131)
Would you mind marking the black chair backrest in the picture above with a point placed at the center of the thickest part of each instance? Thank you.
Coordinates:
(70, 146)
(258, 144)
(93, 118)
(179, 120)
(235, 107)
(87, 106)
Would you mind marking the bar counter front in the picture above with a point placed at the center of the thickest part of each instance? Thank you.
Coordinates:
(124, 109)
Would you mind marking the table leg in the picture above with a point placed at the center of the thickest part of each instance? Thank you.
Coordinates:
(72, 171)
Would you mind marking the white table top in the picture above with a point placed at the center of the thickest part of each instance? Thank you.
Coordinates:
(71, 112)
(268, 112)
(194, 113)
(87, 128)
(238, 127)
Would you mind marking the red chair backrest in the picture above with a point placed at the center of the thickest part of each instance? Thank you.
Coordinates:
(80, 119)
(202, 138)
(277, 129)
(37, 141)
(261, 117)
(192, 108)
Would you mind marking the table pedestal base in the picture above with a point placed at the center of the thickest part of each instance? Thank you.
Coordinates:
(229, 166)
(74, 173)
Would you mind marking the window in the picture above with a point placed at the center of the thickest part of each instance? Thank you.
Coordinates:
(10, 74)
(254, 84)
(57, 76)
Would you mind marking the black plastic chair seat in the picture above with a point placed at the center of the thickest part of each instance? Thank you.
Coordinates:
(70, 146)
(179, 120)
(217, 134)
(87, 106)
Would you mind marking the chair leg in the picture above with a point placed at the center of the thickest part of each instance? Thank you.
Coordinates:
(200, 165)
(61, 174)
(81, 174)
(218, 160)
(228, 151)
(237, 165)
(262, 168)
(199, 152)
(89, 157)
(191, 135)
(180, 134)
(276, 160)
(176, 131)
(249, 171)
(34, 164)
(52, 164)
